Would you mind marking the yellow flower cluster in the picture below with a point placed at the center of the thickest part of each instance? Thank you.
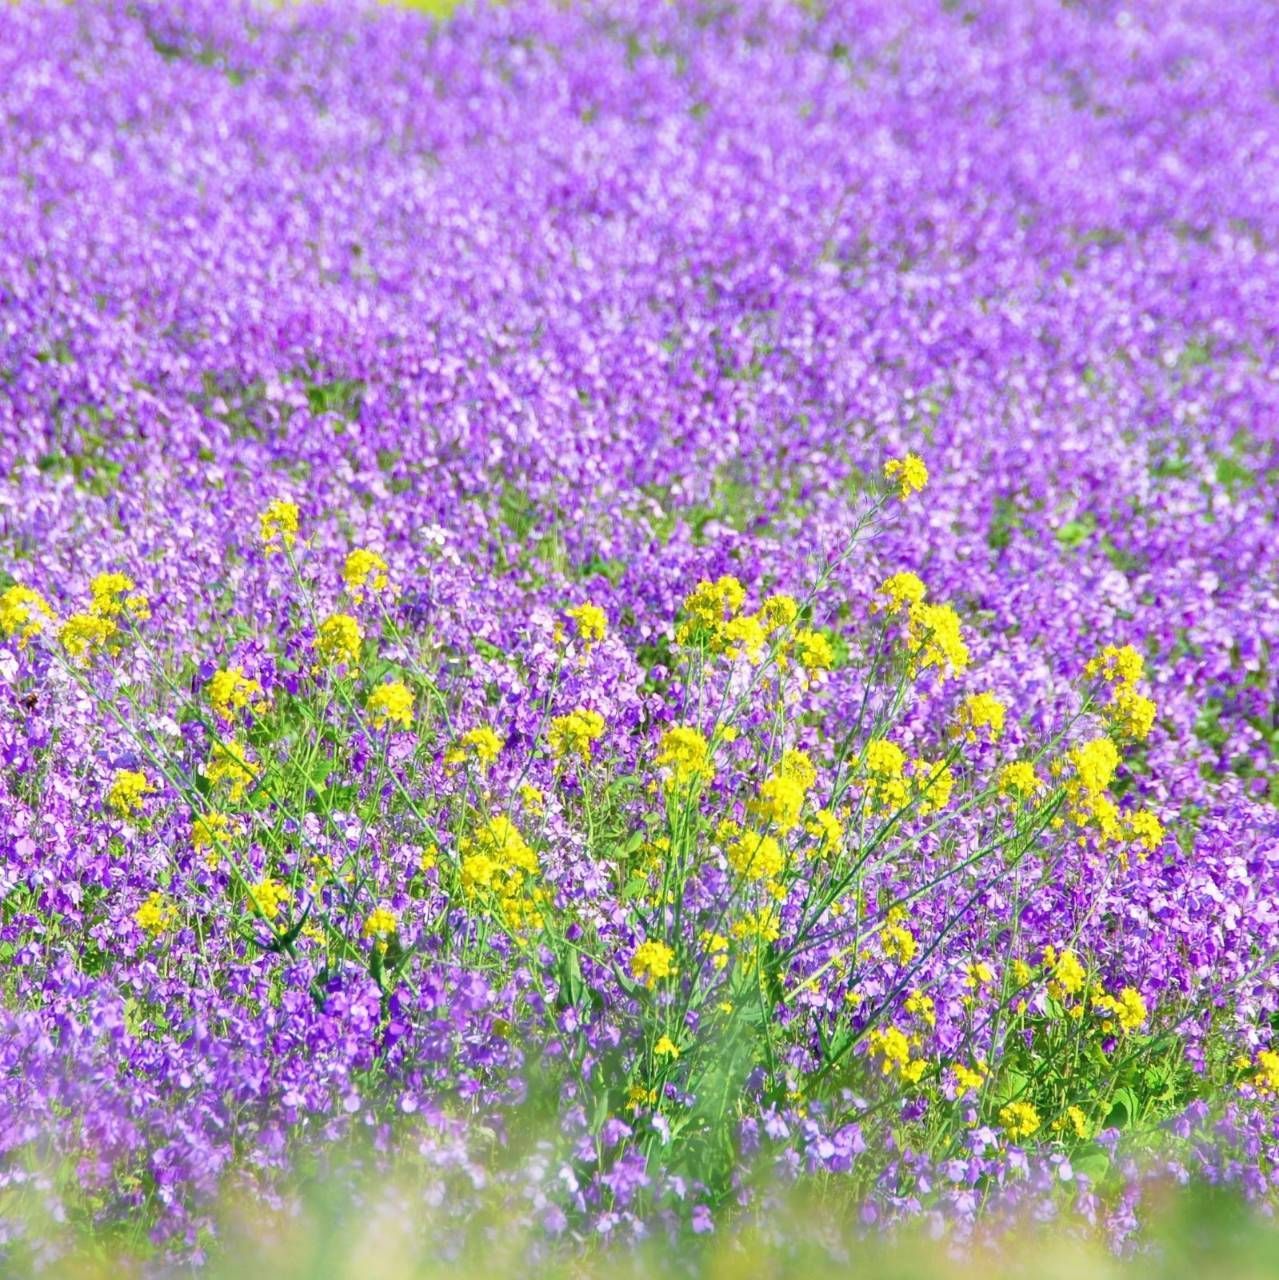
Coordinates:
(128, 788)
(391, 704)
(156, 915)
(1020, 1120)
(575, 734)
(968, 1079)
(651, 962)
(686, 756)
(713, 618)
(231, 691)
(934, 785)
(1129, 712)
(228, 762)
(364, 573)
(1018, 781)
(908, 475)
(589, 622)
(886, 787)
(207, 832)
(934, 636)
(337, 640)
(113, 595)
(1266, 1077)
(498, 865)
(85, 634)
(892, 1047)
(278, 526)
(752, 855)
(380, 925)
(481, 745)
(23, 613)
(268, 897)
(1128, 1010)
(896, 941)
(981, 711)
(1068, 975)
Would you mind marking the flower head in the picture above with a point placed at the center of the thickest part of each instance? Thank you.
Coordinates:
(391, 704)
(364, 573)
(337, 641)
(908, 475)
(23, 613)
(651, 962)
(128, 788)
(590, 623)
(278, 526)
(575, 734)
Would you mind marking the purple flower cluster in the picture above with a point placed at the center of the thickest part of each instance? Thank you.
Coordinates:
(553, 305)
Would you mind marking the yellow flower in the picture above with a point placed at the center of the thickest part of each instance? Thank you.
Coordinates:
(922, 1006)
(827, 830)
(1122, 664)
(908, 475)
(798, 766)
(1095, 763)
(813, 651)
(208, 831)
(706, 607)
(755, 857)
(685, 752)
(935, 639)
(1131, 713)
(499, 868)
(128, 788)
(156, 915)
(981, 711)
(778, 804)
(1068, 975)
(365, 573)
(268, 896)
(84, 634)
(1075, 1120)
(337, 642)
(651, 962)
(1267, 1075)
(23, 613)
(590, 623)
(1146, 830)
(575, 733)
(278, 526)
(716, 947)
(391, 704)
(1020, 1120)
(1018, 780)
(480, 744)
(380, 924)
(111, 597)
(886, 789)
(231, 691)
(1128, 1008)
(901, 593)
(665, 1048)
(229, 763)
(778, 611)
(892, 1047)
(968, 1079)
(741, 637)
(532, 798)
(897, 941)
(934, 784)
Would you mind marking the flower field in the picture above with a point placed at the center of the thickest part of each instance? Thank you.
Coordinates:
(615, 617)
